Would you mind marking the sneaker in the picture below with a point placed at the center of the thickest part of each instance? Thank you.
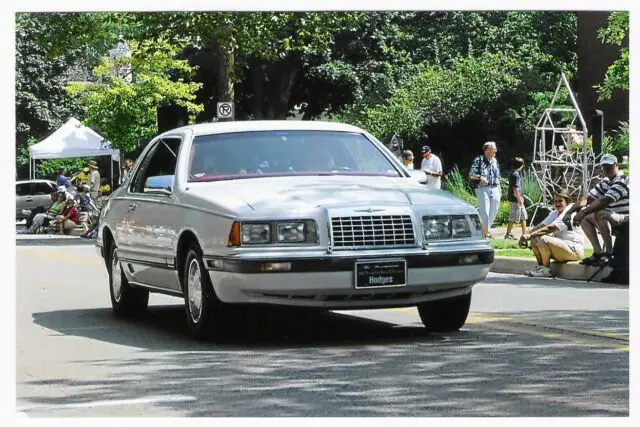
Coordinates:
(530, 272)
(592, 260)
(542, 272)
(510, 237)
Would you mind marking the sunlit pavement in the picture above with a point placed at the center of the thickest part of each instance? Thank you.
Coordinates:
(531, 347)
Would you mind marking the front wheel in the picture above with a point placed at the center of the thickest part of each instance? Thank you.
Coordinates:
(201, 303)
(446, 315)
(126, 300)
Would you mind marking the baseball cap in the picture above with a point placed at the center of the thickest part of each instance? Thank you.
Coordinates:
(426, 148)
(608, 159)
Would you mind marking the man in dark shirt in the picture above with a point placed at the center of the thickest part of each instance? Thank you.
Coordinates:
(517, 212)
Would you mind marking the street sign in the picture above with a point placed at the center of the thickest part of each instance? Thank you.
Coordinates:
(224, 110)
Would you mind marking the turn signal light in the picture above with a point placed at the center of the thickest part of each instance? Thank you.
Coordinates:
(234, 235)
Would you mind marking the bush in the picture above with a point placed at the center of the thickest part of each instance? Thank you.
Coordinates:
(457, 185)
(503, 214)
(530, 187)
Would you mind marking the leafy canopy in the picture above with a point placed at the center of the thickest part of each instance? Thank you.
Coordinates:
(125, 113)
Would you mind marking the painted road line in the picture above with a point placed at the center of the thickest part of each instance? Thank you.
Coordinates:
(551, 331)
(151, 400)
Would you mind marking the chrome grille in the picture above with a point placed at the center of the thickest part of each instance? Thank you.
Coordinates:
(379, 230)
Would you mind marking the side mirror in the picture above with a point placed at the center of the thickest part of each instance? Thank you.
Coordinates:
(418, 176)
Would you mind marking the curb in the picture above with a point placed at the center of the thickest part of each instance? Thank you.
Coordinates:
(568, 271)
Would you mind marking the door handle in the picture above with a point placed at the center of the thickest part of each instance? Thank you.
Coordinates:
(29, 199)
(132, 207)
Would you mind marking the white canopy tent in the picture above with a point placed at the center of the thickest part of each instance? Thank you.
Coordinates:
(71, 140)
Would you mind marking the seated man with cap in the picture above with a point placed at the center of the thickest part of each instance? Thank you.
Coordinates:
(607, 206)
(432, 166)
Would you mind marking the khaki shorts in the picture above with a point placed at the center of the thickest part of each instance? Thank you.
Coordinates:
(561, 250)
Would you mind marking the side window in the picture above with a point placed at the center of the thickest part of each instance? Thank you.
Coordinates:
(158, 168)
(22, 189)
(40, 189)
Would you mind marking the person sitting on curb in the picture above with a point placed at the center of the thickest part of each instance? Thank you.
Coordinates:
(68, 220)
(552, 239)
(607, 206)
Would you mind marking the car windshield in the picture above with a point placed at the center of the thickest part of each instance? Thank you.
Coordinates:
(285, 153)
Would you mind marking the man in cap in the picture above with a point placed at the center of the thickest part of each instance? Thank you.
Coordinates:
(94, 180)
(431, 166)
(607, 206)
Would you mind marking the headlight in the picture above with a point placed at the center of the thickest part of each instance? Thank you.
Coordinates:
(475, 219)
(436, 227)
(256, 233)
(297, 232)
(444, 227)
(460, 227)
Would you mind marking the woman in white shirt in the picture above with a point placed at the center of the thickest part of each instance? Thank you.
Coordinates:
(407, 159)
(552, 239)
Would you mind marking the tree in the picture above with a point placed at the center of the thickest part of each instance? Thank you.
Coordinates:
(41, 103)
(126, 113)
(617, 75)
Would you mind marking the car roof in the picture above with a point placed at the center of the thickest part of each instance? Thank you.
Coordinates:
(265, 125)
(48, 181)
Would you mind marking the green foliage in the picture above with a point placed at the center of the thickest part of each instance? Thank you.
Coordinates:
(617, 75)
(41, 103)
(618, 143)
(455, 184)
(503, 214)
(440, 95)
(48, 169)
(125, 113)
(530, 187)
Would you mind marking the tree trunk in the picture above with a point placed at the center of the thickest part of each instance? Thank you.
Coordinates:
(279, 104)
(225, 92)
(257, 80)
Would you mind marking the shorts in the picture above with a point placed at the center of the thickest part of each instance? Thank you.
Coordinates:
(517, 213)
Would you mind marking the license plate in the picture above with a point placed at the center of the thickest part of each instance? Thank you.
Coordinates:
(381, 274)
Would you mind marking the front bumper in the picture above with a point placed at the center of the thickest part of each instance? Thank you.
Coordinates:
(329, 281)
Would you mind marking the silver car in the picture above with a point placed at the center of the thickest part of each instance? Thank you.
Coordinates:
(32, 194)
(291, 213)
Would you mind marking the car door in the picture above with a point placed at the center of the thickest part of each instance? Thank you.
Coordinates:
(41, 193)
(155, 217)
(23, 198)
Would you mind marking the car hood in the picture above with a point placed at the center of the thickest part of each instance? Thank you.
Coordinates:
(309, 192)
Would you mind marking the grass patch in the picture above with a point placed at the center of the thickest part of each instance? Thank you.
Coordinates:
(510, 248)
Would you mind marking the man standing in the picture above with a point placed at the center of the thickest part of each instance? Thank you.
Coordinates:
(608, 205)
(432, 166)
(94, 180)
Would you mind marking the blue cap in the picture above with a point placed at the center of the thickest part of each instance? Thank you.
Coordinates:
(426, 148)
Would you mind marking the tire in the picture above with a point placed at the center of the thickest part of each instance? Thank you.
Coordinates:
(200, 302)
(126, 300)
(447, 315)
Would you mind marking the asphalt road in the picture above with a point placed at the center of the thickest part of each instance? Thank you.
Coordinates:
(532, 347)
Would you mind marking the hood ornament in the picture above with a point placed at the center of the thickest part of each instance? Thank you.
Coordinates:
(369, 210)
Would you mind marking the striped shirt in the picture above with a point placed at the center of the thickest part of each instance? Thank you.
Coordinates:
(617, 191)
(488, 169)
